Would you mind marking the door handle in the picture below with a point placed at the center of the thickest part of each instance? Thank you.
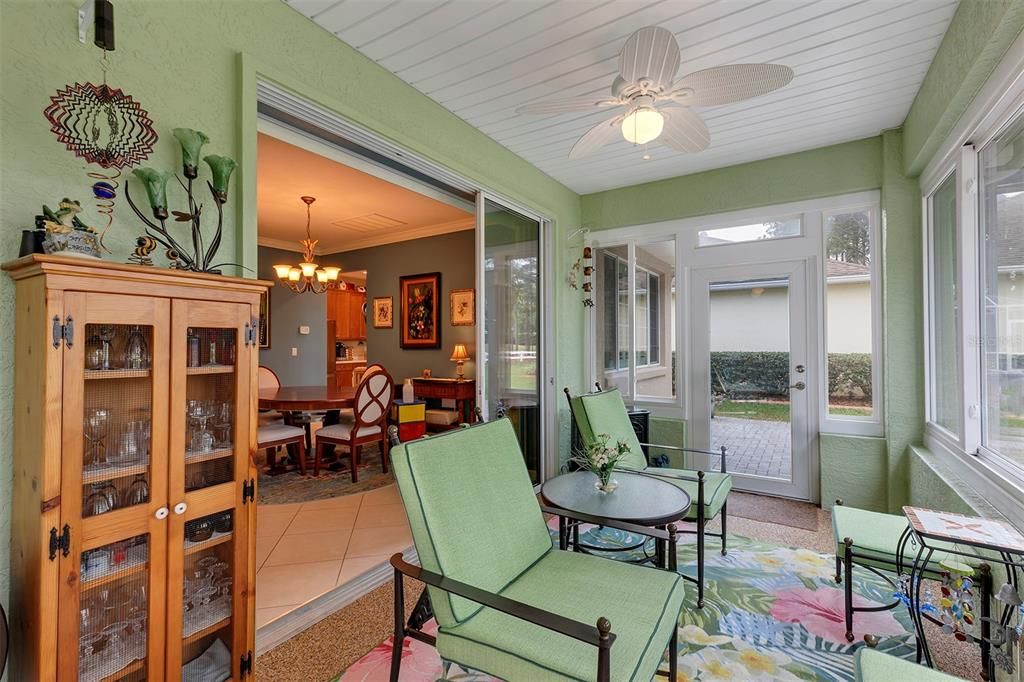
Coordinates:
(161, 513)
(799, 386)
(180, 508)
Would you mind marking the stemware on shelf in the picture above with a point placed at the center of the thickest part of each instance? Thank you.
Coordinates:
(97, 425)
(138, 491)
(103, 498)
(136, 350)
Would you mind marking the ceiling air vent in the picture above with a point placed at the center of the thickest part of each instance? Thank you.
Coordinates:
(371, 222)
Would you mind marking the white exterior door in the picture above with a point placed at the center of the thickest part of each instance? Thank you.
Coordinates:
(750, 372)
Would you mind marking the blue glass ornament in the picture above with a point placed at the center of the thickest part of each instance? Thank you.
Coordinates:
(103, 190)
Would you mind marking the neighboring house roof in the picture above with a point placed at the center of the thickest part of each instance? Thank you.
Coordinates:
(837, 268)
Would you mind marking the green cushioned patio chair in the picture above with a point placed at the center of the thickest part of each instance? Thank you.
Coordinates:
(874, 666)
(506, 601)
(873, 541)
(604, 412)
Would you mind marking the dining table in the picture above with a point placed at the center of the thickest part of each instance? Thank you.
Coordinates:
(294, 401)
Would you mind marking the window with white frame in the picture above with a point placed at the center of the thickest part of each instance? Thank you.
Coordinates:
(647, 323)
(943, 307)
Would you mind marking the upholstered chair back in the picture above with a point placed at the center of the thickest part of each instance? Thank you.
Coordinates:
(374, 396)
(605, 412)
(267, 378)
(472, 510)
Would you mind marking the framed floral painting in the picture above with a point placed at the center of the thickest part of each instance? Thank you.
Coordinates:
(383, 312)
(420, 321)
(463, 307)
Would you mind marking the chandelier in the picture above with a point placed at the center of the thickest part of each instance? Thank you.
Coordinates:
(308, 276)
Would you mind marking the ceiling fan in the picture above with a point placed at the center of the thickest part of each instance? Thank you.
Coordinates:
(655, 107)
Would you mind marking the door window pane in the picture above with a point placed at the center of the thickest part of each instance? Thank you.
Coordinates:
(750, 376)
(207, 629)
(849, 314)
(612, 296)
(1002, 217)
(655, 319)
(512, 325)
(945, 308)
(772, 229)
(209, 407)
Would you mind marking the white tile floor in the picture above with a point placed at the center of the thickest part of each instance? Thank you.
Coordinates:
(304, 550)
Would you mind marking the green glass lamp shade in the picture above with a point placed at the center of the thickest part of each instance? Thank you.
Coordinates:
(221, 167)
(192, 142)
(155, 182)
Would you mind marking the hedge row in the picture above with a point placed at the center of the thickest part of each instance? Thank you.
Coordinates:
(765, 374)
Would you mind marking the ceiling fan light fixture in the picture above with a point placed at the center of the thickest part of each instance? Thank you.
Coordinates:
(643, 125)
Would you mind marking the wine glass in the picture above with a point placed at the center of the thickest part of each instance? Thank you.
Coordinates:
(97, 424)
(222, 424)
(102, 499)
(200, 412)
(106, 335)
(136, 350)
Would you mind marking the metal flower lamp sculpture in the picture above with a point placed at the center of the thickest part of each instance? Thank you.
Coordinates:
(200, 257)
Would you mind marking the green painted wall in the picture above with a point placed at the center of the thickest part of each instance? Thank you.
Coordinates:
(839, 169)
(183, 61)
(977, 38)
(857, 470)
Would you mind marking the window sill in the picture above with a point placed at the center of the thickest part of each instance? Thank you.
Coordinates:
(989, 490)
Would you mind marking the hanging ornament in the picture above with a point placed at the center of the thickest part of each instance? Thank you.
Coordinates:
(956, 606)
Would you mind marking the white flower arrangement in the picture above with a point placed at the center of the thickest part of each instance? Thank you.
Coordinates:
(601, 459)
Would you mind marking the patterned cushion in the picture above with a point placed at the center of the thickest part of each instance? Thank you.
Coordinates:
(874, 666)
(343, 431)
(605, 413)
(642, 604)
(472, 510)
(277, 432)
(716, 489)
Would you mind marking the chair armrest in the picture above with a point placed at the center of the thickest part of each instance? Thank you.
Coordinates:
(588, 634)
(692, 479)
(656, 533)
(679, 449)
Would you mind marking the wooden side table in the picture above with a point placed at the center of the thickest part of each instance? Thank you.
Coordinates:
(463, 392)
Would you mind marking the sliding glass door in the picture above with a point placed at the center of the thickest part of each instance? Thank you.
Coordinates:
(509, 336)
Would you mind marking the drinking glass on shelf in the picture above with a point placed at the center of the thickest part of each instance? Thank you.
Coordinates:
(222, 424)
(136, 350)
(101, 499)
(96, 427)
(138, 491)
(106, 336)
(200, 412)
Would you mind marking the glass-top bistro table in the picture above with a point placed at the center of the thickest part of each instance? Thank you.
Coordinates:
(639, 499)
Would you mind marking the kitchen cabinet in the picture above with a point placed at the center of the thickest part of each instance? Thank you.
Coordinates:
(134, 485)
(345, 307)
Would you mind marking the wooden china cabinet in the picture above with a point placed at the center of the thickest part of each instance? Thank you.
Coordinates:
(133, 552)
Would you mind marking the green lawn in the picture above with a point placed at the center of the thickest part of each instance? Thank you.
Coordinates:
(524, 375)
(777, 412)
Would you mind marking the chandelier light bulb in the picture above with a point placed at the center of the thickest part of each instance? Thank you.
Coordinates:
(642, 126)
(294, 275)
(332, 272)
(321, 276)
(308, 269)
(282, 271)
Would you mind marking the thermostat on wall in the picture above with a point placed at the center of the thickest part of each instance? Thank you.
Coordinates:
(304, 329)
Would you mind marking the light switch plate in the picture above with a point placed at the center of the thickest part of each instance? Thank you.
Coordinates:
(304, 329)
(295, 352)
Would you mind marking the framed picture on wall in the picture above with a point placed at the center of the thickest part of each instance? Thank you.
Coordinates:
(463, 307)
(265, 319)
(420, 320)
(383, 312)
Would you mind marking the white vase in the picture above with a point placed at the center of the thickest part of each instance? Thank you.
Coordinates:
(408, 394)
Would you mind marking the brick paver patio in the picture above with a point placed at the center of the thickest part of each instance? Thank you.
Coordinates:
(755, 446)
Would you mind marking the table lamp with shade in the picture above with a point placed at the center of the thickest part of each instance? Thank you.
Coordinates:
(459, 357)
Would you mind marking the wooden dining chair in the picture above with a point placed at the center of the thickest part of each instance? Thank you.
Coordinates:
(267, 378)
(272, 436)
(372, 404)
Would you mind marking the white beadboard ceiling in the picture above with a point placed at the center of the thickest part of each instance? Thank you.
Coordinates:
(858, 65)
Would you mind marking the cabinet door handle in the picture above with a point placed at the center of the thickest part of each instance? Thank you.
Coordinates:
(161, 513)
(180, 508)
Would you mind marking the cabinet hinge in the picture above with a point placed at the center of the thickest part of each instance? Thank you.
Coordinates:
(247, 335)
(63, 332)
(248, 491)
(254, 331)
(245, 664)
(60, 542)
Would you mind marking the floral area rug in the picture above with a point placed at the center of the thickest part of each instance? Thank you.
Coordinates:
(770, 613)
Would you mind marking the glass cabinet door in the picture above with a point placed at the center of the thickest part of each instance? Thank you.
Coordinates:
(210, 473)
(113, 488)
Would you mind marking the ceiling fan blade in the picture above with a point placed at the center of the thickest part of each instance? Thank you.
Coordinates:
(731, 83)
(684, 130)
(562, 106)
(597, 137)
(650, 53)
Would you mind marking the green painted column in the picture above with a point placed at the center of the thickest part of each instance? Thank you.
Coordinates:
(903, 324)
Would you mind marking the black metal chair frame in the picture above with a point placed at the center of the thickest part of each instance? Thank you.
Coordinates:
(701, 532)
(600, 636)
